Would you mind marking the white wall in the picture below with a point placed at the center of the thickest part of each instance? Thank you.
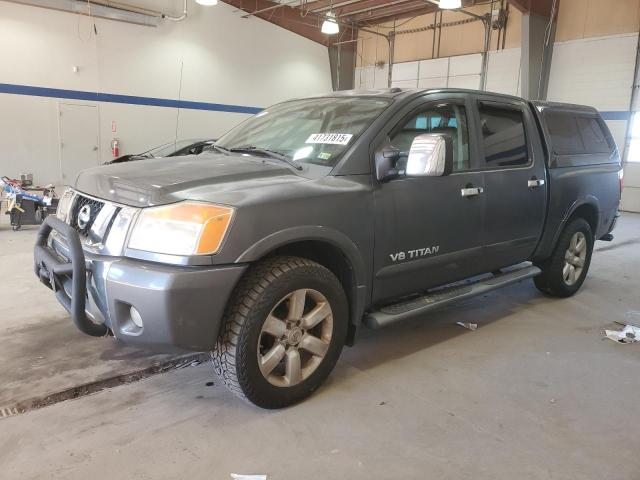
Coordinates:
(367, 78)
(223, 58)
(598, 72)
(456, 72)
(503, 71)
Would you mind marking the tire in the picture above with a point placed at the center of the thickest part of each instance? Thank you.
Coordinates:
(15, 218)
(565, 271)
(270, 363)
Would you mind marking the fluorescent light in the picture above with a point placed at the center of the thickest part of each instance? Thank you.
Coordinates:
(330, 26)
(207, 3)
(450, 4)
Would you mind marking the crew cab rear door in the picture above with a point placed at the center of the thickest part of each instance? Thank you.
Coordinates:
(515, 180)
(428, 230)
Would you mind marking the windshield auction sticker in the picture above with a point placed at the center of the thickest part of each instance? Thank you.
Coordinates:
(330, 138)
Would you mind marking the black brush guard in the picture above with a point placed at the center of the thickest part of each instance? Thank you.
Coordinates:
(53, 271)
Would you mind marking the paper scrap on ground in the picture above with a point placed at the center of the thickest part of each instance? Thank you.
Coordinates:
(238, 476)
(629, 334)
(470, 326)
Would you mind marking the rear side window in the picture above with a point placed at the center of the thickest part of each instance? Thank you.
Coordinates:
(503, 135)
(576, 134)
(563, 129)
(593, 136)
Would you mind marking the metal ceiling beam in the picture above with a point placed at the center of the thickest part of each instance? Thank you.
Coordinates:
(290, 18)
(402, 7)
(383, 17)
(369, 5)
(539, 7)
(325, 5)
(272, 7)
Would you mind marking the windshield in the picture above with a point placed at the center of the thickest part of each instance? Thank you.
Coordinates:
(314, 130)
(168, 148)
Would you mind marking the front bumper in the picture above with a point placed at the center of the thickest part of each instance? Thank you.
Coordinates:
(180, 308)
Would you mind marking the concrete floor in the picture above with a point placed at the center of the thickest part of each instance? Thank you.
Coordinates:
(42, 351)
(535, 392)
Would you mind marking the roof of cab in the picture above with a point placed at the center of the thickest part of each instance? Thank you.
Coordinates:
(542, 105)
(396, 92)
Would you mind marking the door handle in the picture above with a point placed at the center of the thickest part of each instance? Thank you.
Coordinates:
(535, 183)
(471, 191)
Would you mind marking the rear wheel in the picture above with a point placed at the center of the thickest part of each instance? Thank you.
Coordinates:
(283, 332)
(564, 273)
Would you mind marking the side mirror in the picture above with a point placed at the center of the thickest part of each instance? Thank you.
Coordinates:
(387, 163)
(431, 155)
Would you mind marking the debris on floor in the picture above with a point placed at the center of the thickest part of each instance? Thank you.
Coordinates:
(470, 326)
(237, 476)
(633, 318)
(629, 334)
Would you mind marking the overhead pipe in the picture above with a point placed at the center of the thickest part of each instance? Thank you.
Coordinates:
(126, 7)
(391, 38)
(97, 11)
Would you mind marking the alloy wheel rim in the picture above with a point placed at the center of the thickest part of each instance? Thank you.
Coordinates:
(295, 337)
(574, 259)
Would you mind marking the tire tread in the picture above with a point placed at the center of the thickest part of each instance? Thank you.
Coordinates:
(229, 363)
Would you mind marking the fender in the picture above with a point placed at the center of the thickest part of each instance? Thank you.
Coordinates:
(584, 200)
(318, 233)
(545, 247)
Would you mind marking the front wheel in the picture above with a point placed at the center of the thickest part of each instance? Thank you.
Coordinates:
(282, 332)
(563, 274)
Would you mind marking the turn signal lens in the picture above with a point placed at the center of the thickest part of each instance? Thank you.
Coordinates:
(64, 204)
(186, 228)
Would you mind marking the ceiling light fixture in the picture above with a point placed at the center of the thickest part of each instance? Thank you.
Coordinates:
(450, 4)
(207, 3)
(330, 25)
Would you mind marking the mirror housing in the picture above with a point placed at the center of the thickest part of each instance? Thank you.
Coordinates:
(431, 155)
(387, 163)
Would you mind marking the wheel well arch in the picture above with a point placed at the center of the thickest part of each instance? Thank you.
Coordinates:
(333, 258)
(585, 207)
(589, 212)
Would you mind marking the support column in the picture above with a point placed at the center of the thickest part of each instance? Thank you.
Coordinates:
(537, 51)
(342, 59)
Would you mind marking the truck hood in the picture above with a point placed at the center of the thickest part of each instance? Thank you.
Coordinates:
(167, 180)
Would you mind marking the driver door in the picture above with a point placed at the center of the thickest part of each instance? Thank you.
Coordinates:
(426, 232)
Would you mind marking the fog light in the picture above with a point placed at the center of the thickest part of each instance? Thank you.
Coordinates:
(136, 318)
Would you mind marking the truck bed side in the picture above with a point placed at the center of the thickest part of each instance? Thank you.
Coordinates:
(583, 180)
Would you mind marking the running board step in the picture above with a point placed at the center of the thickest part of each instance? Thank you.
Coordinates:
(417, 306)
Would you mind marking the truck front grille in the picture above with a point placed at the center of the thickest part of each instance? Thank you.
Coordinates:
(83, 213)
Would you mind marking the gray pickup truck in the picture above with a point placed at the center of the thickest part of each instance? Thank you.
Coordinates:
(318, 215)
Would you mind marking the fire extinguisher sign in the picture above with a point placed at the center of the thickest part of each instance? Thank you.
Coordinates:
(114, 129)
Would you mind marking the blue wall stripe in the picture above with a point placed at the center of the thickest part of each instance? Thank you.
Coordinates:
(165, 102)
(615, 115)
(125, 99)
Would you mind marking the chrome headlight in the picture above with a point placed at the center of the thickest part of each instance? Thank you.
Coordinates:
(64, 205)
(185, 228)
